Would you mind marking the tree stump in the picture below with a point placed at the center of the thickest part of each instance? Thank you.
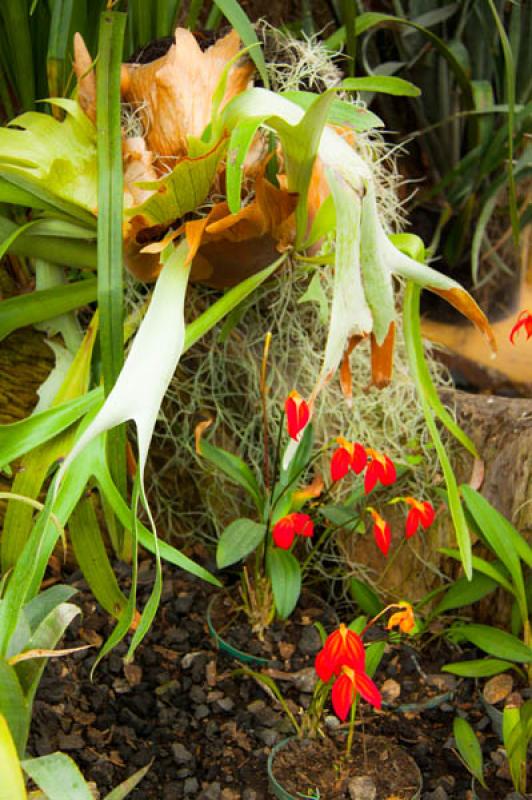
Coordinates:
(501, 428)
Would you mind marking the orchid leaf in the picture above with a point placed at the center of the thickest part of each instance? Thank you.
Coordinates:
(469, 748)
(46, 636)
(146, 537)
(386, 84)
(19, 438)
(234, 468)
(11, 778)
(414, 349)
(110, 206)
(240, 21)
(478, 668)
(36, 464)
(238, 540)
(123, 789)
(494, 641)
(38, 306)
(495, 533)
(91, 556)
(284, 572)
(58, 776)
(56, 249)
(14, 707)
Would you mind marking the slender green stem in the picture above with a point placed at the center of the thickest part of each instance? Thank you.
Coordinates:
(350, 735)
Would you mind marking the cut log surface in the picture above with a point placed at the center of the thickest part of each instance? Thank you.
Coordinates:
(501, 428)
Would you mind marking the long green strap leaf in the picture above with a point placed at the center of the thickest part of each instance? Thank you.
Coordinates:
(91, 555)
(27, 309)
(414, 350)
(11, 778)
(509, 75)
(20, 437)
(240, 21)
(110, 216)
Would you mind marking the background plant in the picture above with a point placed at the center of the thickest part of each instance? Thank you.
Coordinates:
(473, 122)
(54, 775)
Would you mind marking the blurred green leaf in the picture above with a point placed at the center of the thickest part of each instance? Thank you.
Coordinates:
(469, 748)
(285, 574)
(495, 642)
(238, 540)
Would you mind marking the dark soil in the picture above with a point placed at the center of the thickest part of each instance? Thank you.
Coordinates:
(207, 731)
(321, 766)
(291, 643)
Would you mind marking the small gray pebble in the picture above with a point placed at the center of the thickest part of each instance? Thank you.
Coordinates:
(268, 736)
(212, 792)
(438, 794)
(180, 753)
(310, 641)
(191, 786)
(201, 711)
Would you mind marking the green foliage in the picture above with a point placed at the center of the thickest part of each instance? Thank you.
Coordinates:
(238, 540)
(284, 572)
(511, 552)
(25, 628)
(517, 734)
(474, 114)
(56, 774)
(365, 597)
(493, 641)
(469, 748)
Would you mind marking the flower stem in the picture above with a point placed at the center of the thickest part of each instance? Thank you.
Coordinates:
(350, 735)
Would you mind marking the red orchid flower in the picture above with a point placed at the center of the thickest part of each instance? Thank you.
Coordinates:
(350, 455)
(342, 646)
(346, 686)
(524, 320)
(380, 468)
(286, 529)
(297, 414)
(381, 532)
(403, 619)
(421, 513)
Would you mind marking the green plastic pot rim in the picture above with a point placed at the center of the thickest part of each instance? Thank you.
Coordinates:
(225, 647)
(281, 793)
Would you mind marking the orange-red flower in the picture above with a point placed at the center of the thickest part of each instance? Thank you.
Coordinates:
(286, 529)
(403, 619)
(342, 646)
(297, 414)
(350, 455)
(421, 513)
(524, 320)
(381, 532)
(380, 468)
(350, 681)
